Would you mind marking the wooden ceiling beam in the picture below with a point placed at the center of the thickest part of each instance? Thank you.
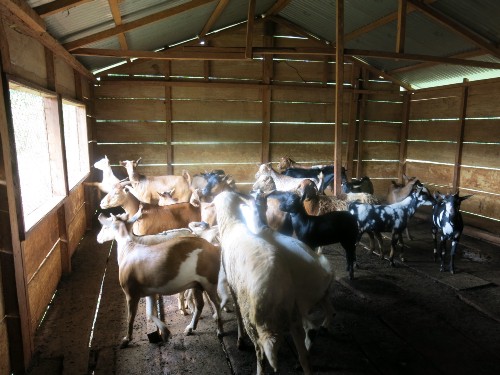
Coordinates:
(427, 64)
(214, 17)
(250, 23)
(206, 54)
(135, 24)
(57, 6)
(28, 16)
(456, 27)
(117, 17)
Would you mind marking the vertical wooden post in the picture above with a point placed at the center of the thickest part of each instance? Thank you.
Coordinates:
(351, 132)
(339, 95)
(91, 131)
(168, 119)
(400, 37)
(49, 67)
(17, 309)
(267, 74)
(361, 125)
(403, 135)
(250, 22)
(460, 135)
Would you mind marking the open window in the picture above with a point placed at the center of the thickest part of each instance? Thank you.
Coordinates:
(76, 141)
(37, 137)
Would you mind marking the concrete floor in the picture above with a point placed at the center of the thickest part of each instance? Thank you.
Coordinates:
(408, 319)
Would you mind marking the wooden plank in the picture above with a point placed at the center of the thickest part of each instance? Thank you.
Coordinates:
(460, 134)
(479, 179)
(440, 108)
(5, 367)
(305, 112)
(216, 132)
(380, 151)
(211, 93)
(431, 151)
(39, 241)
(420, 95)
(216, 111)
(381, 131)
(307, 94)
(129, 90)
(432, 130)
(241, 173)
(143, 68)
(26, 55)
(380, 169)
(139, 109)
(482, 131)
(116, 132)
(384, 111)
(481, 155)
(403, 138)
(436, 174)
(42, 286)
(73, 202)
(314, 153)
(237, 69)
(150, 153)
(298, 71)
(303, 133)
(219, 153)
(65, 77)
(484, 104)
(76, 229)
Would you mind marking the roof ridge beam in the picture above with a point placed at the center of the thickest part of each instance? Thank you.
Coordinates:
(57, 6)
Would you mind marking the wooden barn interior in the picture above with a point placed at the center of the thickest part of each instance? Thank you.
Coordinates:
(230, 84)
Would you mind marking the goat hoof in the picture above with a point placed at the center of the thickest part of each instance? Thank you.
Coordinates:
(188, 331)
(220, 334)
(124, 343)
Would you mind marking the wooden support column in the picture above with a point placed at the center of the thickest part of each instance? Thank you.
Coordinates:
(339, 95)
(17, 309)
(460, 136)
(250, 22)
(361, 126)
(400, 38)
(168, 118)
(351, 131)
(90, 192)
(267, 74)
(403, 135)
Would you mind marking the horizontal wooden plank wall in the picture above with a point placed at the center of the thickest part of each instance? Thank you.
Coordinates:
(432, 144)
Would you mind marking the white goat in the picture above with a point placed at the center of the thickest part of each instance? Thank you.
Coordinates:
(269, 296)
(166, 268)
(109, 180)
(282, 182)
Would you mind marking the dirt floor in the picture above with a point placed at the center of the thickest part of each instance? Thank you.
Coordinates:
(408, 319)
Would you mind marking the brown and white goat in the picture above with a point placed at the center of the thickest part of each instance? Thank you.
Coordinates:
(282, 182)
(166, 268)
(155, 219)
(147, 187)
(397, 192)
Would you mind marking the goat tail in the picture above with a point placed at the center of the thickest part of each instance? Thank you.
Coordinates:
(269, 345)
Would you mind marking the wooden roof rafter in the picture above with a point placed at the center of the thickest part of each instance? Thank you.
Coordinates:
(300, 31)
(221, 5)
(117, 17)
(124, 27)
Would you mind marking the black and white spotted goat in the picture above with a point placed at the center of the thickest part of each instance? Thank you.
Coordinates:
(447, 222)
(375, 219)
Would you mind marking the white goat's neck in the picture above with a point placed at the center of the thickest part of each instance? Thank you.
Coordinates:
(108, 177)
(124, 242)
(130, 204)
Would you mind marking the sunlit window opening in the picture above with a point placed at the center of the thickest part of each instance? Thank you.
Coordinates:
(36, 148)
(76, 142)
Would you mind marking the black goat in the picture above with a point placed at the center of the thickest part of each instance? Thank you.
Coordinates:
(447, 220)
(327, 229)
(357, 186)
(313, 174)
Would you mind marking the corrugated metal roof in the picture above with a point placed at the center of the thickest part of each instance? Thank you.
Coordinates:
(424, 35)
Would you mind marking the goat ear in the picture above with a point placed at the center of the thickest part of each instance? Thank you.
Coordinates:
(465, 197)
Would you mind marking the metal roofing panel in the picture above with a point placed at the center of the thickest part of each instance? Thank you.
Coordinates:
(80, 21)
(482, 16)
(442, 74)
(172, 30)
(132, 10)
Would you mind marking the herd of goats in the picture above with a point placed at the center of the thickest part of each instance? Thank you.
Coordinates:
(190, 235)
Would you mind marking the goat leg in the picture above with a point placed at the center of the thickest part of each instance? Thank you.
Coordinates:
(408, 235)
(442, 252)
(434, 239)
(298, 335)
(132, 303)
(402, 244)
(198, 308)
(394, 242)
(152, 314)
(454, 244)
(380, 242)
